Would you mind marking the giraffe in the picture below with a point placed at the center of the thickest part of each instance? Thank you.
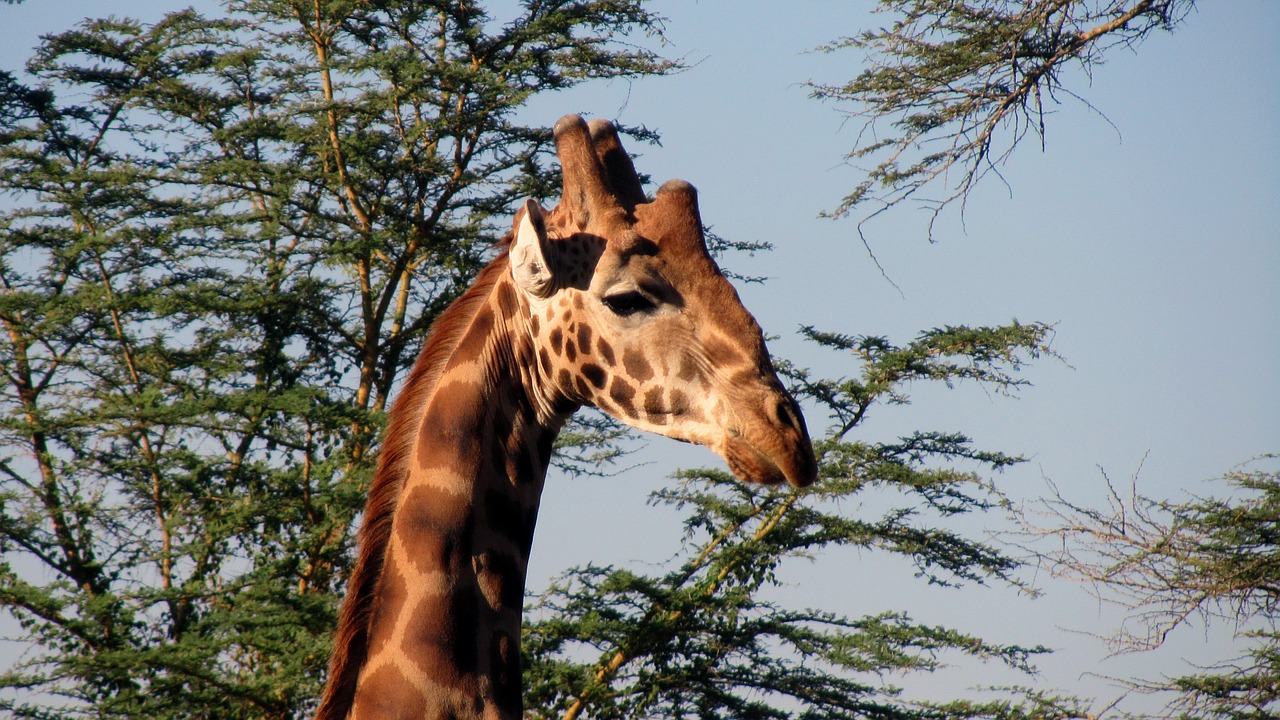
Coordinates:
(609, 300)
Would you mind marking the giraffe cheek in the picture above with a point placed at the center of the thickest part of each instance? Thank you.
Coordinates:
(749, 465)
(636, 365)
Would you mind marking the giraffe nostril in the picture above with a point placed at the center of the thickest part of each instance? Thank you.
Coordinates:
(784, 415)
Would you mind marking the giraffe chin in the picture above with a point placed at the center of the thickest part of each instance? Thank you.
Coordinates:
(749, 464)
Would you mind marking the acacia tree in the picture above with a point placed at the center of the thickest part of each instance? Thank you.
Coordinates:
(1170, 563)
(222, 242)
(951, 88)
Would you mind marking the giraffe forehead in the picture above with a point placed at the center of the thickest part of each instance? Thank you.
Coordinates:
(658, 245)
(705, 296)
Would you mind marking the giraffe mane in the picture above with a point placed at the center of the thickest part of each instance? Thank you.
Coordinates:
(351, 640)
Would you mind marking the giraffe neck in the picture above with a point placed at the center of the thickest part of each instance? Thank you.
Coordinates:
(444, 634)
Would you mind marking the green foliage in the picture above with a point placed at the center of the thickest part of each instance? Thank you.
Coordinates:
(701, 639)
(1245, 689)
(1168, 562)
(222, 242)
(953, 87)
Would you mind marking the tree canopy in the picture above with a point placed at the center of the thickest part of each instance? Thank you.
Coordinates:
(223, 240)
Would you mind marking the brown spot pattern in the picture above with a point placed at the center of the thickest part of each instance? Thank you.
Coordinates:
(653, 404)
(394, 594)
(595, 374)
(476, 337)
(501, 580)
(443, 642)
(438, 526)
(677, 402)
(450, 428)
(606, 352)
(504, 660)
(387, 693)
(506, 297)
(688, 369)
(622, 393)
(489, 581)
(637, 366)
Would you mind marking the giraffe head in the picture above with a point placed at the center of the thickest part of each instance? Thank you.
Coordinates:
(628, 312)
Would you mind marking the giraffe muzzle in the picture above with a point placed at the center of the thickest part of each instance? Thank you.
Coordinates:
(774, 450)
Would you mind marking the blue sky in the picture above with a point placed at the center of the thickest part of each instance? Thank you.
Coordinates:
(1148, 237)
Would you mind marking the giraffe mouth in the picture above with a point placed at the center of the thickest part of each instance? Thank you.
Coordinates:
(751, 463)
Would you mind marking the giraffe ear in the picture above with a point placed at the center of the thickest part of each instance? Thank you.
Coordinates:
(529, 252)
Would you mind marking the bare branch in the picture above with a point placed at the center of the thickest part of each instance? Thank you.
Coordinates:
(960, 85)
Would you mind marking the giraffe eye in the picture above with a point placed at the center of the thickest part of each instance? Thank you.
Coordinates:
(626, 304)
